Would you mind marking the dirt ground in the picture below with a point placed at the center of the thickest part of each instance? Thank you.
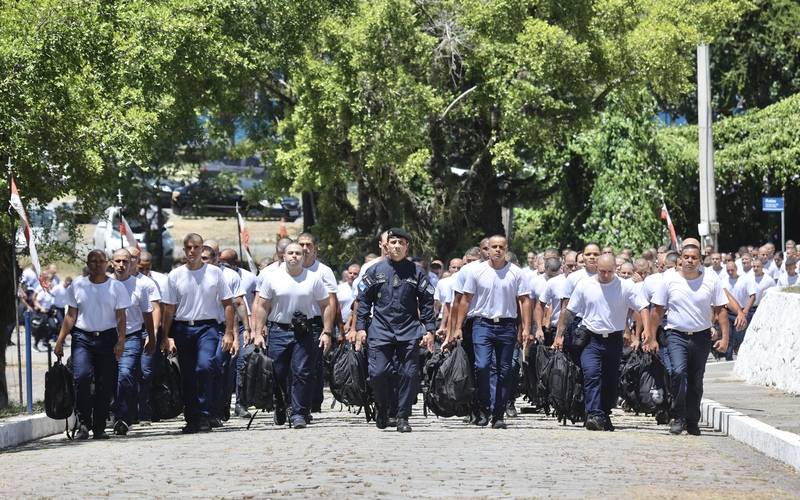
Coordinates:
(263, 233)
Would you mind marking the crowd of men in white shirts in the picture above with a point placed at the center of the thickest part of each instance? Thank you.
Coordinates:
(209, 311)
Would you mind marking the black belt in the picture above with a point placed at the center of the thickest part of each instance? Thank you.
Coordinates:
(689, 334)
(285, 326)
(197, 322)
(498, 321)
(94, 334)
(606, 335)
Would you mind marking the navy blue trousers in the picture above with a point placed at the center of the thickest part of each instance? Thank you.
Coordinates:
(293, 356)
(494, 345)
(317, 384)
(237, 363)
(197, 348)
(600, 364)
(146, 374)
(127, 397)
(93, 360)
(688, 354)
(393, 373)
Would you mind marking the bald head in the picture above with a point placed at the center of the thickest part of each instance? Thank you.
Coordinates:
(229, 257)
(606, 266)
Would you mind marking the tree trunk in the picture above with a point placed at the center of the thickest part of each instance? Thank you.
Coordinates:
(8, 304)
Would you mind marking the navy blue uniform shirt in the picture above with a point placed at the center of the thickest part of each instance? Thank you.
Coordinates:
(400, 297)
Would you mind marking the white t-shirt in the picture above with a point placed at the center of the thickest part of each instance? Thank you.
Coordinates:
(60, 295)
(572, 281)
(138, 289)
(150, 287)
(457, 285)
(161, 281)
(249, 282)
(762, 284)
(443, 293)
(290, 294)
(344, 294)
(603, 307)
(29, 279)
(495, 290)
(328, 279)
(721, 274)
(97, 303)
(536, 284)
(689, 302)
(45, 299)
(552, 297)
(197, 293)
(786, 280)
(234, 282)
(740, 288)
(771, 269)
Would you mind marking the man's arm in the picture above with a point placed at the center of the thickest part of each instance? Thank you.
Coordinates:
(261, 310)
(167, 344)
(121, 321)
(230, 341)
(538, 318)
(525, 309)
(150, 343)
(565, 319)
(327, 323)
(721, 314)
(66, 328)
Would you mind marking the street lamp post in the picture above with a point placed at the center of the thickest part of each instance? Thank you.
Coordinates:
(708, 227)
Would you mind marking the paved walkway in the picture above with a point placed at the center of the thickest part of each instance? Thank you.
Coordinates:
(768, 405)
(340, 455)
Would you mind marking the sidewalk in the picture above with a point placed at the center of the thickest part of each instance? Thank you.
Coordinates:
(762, 417)
(771, 406)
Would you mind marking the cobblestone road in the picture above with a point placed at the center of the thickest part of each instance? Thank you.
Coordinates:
(341, 456)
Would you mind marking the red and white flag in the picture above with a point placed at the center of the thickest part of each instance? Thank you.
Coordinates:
(245, 234)
(16, 202)
(665, 216)
(125, 230)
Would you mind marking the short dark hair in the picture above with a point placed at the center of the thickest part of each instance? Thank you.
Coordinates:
(192, 237)
(311, 236)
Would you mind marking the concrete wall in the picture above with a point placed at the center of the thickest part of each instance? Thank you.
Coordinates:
(18, 430)
(770, 354)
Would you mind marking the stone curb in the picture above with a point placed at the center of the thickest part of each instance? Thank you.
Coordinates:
(775, 443)
(19, 430)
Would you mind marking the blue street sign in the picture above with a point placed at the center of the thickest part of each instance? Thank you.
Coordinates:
(772, 204)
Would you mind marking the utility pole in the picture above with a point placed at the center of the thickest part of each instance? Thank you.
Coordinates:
(708, 227)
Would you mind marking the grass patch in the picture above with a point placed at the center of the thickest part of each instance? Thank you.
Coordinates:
(791, 289)
(14, 409)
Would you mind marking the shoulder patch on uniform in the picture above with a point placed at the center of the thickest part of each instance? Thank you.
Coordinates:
(380, 276)
(430, 289)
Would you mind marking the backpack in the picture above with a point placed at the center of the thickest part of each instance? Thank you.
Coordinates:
(564, 385)
(59, 392)
(450, 383)
(59, 395)
(257, 381)
(542, 372)
(644, 384)
(535, 360)
(348, 381)
(167, 396)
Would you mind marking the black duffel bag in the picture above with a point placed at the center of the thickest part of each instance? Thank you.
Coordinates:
(167, 393)
(349, 379)
(59, 395)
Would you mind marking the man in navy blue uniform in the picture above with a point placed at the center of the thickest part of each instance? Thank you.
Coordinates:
(395, 302)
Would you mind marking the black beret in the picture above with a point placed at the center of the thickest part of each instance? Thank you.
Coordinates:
(397, 232)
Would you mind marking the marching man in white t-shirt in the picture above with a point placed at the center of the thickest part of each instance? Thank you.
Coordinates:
(139, 320)
(194, 292)
(288, 295)
(500, 289)
(602, 302)
(96, 320)
(148, 363)
(565, 329)
(688, 296)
